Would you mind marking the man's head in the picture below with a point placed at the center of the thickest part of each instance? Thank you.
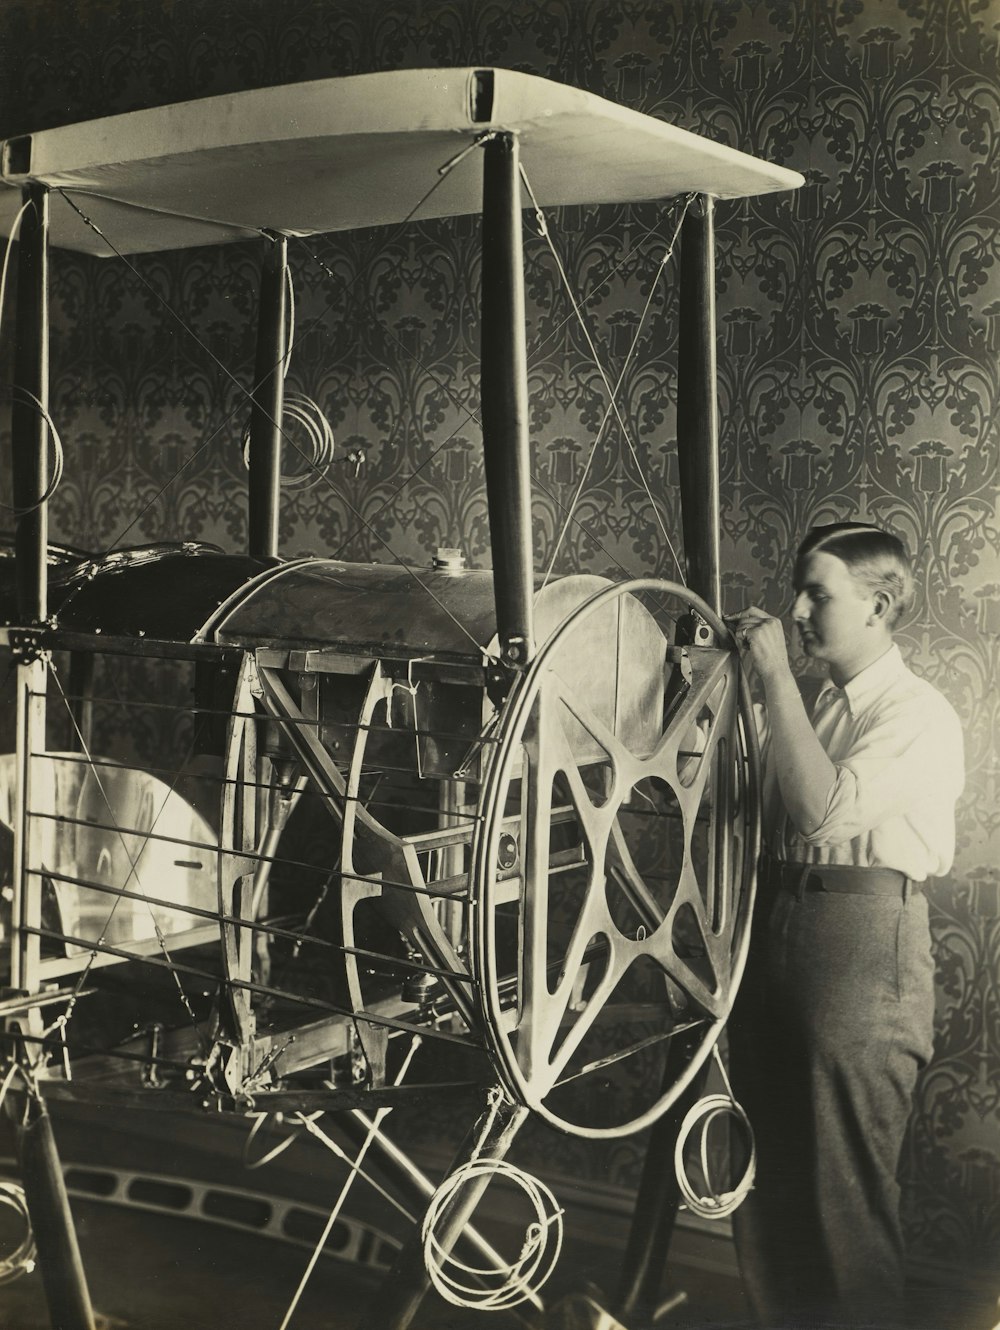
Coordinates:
(874, 557)
(852, 584)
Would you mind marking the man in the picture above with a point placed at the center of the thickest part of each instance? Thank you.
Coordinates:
(835, 1017)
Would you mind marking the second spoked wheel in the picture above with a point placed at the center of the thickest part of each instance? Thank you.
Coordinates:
(613, 873)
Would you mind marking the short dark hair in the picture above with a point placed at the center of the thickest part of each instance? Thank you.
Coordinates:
(875, 557)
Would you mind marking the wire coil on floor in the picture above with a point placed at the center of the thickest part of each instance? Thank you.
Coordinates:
(490, 1288)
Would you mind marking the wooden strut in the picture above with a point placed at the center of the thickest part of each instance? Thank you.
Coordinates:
(30, 404)
(504, 378)
(407, 1180)
(697, 404)
(658, 1198)
(264, 452)
(63, 1277)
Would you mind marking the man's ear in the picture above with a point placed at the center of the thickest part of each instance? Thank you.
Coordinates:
(881, 607)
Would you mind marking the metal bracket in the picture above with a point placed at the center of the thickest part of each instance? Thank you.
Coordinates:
(26, 645)
(694, 631)
(679, 656)
(514, 653)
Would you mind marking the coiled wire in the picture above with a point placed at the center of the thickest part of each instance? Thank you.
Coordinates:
(490, 1288)
(21, 1260)
(719, 1204)
(320, 446)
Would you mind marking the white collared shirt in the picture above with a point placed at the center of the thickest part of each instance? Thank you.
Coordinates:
(896, 743)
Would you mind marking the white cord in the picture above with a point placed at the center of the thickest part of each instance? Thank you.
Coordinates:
(21, 1261)
(319, 436)
(719, 1204)
(494, 1287)
(58, 457)
(7, 252)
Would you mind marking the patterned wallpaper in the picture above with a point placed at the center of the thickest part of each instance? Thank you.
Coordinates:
(859, 376)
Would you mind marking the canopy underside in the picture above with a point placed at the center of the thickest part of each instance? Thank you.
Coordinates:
(337, 154)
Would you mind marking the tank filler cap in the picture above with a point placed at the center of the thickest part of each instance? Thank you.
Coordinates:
(451, 560)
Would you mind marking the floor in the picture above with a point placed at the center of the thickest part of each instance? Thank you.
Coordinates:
(176, 1248)
(152, 1273)
(201, 1243)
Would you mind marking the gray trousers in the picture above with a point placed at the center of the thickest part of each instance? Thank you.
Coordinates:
(832, 1024)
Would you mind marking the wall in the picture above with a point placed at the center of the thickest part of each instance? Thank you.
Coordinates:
(859, 330)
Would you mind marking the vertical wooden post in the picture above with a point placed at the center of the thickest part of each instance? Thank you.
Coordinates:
(697, 403)
(504, 396)
(41, 1173)
(658, 1197)
(264, 456)
(29, 431)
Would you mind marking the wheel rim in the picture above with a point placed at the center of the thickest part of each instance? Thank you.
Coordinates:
(614, 871)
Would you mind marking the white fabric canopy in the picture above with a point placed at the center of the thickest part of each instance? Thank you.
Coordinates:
(336, 154)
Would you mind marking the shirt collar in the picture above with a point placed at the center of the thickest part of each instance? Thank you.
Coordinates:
(872, 679)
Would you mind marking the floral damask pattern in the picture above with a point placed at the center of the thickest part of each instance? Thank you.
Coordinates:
(859, 326)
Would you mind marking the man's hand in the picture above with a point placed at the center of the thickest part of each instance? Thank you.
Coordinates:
(761, 640)
(805, 773)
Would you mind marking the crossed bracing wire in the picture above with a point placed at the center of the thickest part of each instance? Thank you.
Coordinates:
(577, 305)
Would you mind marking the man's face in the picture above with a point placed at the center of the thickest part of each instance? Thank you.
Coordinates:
(832, 611)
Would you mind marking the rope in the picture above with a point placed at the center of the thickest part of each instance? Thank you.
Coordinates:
(496, 1287)
(717, 1205)
(318, 454)
(258, 1122)
(21, 1260)
(305, 412)
(7, 253)
(58, 453)
(520, 1280)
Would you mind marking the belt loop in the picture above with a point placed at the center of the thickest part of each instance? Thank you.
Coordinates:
(802, 879)
(908, 886)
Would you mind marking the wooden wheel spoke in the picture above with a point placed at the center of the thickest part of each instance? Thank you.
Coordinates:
(669, 754)
(629, 762)
(583, 1021)
(542, 1010)
(597, 729)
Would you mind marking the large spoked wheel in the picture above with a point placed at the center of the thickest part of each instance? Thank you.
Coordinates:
(614, 871)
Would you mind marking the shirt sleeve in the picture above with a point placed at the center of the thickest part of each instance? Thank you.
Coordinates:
(910, 757)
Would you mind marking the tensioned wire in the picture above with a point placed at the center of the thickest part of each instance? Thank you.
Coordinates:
(577, 310)
(577, 306)
(133, 873)
(612, 392)
(98, 947)
(228, 373)
(442, 172)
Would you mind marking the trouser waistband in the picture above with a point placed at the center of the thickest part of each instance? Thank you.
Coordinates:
(781, 875)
